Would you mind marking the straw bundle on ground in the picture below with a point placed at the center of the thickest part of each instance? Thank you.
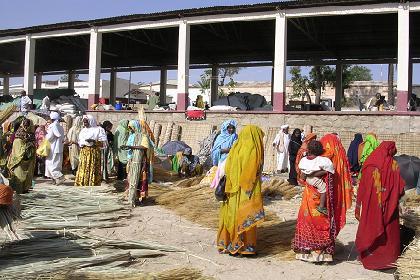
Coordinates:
(57, 254)
(168, 133)
(186, 183)
(408, 265)
(279, 187)
(176, 133)
(174, 274)
(156, 132)
(152, 124)
(162, 175)
(197, 204)
(411, 219)
(56, 208)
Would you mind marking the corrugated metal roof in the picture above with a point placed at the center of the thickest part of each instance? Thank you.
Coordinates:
(190, 13)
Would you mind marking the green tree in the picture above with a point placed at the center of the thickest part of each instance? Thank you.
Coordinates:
(321, 76)
(205, 81)
(223, 74)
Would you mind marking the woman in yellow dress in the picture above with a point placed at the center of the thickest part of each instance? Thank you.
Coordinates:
(243, 209)
(91, 139)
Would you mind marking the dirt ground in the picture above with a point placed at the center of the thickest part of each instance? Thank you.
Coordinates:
(156, 224)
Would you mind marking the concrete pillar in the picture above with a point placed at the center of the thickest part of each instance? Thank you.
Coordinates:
(163, 85)
(28, 73)
(410, 79)
(38, 81)
(183, 65)
(338, 85)
(113, 87)
(214, 84)
(272, 85)
(403, 56)
(280, 58)
(6, 85)
(95, 51)
(70, 80)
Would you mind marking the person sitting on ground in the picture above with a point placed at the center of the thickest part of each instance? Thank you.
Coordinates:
(189, 165)
(314, 167)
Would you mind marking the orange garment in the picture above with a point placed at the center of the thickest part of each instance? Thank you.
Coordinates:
(6, 195)
(343, 188)
(301, 153)
(145, 128)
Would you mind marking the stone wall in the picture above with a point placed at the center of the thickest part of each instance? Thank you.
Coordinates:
(404, 129)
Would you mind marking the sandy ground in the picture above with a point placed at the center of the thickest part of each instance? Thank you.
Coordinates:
(156, 224)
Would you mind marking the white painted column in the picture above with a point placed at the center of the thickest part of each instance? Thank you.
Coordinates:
(183, 65)
(113, 87)
(38, 81)
(6, 85)
(214, 84)
(70, 80)
(163, 85)
(280, 59)
(95, 52)
(403, 56)
(338, 85)
(28, 73)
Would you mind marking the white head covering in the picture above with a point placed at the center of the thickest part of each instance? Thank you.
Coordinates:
(284, 126)
(93, 132)
(54, 116)
(91, 120)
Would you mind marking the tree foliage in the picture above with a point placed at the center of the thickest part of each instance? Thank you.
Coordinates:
(322, 76)
(225, 78)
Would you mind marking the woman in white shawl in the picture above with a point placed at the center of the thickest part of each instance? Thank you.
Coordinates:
(281, 147)
(73, 140)
(91, 139)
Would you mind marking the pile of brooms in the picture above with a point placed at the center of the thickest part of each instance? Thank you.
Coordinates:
(197, 204)
(55, 244)
(408, 265)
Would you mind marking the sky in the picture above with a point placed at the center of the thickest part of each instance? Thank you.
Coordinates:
(24, 13)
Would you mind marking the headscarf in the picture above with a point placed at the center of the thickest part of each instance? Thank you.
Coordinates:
(54, 116)
(295, 143)
(187, 151)
(92, 132)
(40, 133)
(343, 188)
(368, 146)
(121, 137)
(380, 189)
(284, 126)
(353, 152)
(223, 141)
(245, 160)
(145, 129)
(301, 153)
(200, 102)
(75, 129)
(26, 132)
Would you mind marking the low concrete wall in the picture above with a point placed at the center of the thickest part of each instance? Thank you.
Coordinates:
(404, 128)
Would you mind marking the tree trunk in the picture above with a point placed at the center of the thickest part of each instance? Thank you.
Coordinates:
(308, 96)
(318, 85)
(391, 95)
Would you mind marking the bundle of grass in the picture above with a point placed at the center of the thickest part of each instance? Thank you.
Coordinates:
(279, 187)
(408, 265)
(198, 205)
(173, 274)
(7, 113)
(187, 183)
(162, 175)
(411, 219)
(58, 254)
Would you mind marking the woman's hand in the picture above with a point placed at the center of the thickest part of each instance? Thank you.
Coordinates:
(357, 212)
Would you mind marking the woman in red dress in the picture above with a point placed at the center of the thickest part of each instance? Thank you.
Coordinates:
(380, 188)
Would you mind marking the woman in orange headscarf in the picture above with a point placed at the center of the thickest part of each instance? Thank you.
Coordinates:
(243, 209)
(380, 189)
(301, 153)
(316, 233)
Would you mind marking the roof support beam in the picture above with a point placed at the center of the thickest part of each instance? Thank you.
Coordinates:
(403, 56)
(280, 58)
(28, 76)
(94, 66)
(183, 65)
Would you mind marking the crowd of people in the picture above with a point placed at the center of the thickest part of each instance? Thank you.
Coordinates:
(325, 170)
(323, 167)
